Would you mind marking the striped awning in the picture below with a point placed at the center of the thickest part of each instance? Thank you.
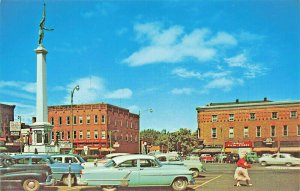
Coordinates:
(289, 149)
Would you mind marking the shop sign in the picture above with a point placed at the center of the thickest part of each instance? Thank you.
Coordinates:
(15, 126)
(268, 141)
(213, 146)
(237, 144)
(15, 133)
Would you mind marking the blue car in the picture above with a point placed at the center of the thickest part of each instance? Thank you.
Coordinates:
(60, 170)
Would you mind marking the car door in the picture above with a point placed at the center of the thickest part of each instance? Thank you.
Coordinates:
(131, 171)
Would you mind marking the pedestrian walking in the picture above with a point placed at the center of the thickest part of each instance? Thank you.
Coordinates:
(241, 172)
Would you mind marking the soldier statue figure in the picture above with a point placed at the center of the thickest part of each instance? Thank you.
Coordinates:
(42, 27)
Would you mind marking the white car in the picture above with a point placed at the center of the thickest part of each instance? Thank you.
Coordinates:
(279, 159)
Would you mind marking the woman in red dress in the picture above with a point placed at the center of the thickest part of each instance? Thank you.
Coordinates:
(241, 172)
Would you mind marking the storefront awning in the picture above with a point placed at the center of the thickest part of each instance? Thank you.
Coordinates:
(289, 149)
(265, 149)
(107, 149)
(93, 148)
(78, 149)
(211, 150)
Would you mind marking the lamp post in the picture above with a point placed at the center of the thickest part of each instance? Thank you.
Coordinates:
(72, 120)
(110, 147)
(140, 112)
(21, 138)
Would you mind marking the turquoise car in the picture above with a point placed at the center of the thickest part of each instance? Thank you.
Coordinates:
(136, 171)
(60, 171)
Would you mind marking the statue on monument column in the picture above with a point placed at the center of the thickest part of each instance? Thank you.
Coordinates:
(42, 28)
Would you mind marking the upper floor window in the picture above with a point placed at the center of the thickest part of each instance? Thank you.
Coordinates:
(121, 123)
(80, 135)
(274, 115)
(95, 119)
(74, 120)
(59, 120)
(252, 116)
(103, 134)
(88, 134)
(258, 131)
(130, 124)
(127, 123)
(246, 132)
(88, 119)
(214, 118)
(116, 136)
(68, 135)
(52, 120)
(273, 131)
(231, 117)
(102, 119)
(135, 138)
(80, 120)
(68, 120)
(108, 120)
(62, 135)
(74, 134)
(285, 130)
(115, 122)
(96, 134)
(294, 114)
(214, 133)
(298, 130)
(231, 132)
(130, 137)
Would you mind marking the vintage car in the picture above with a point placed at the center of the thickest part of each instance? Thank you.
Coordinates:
(136, 171)
(174, 159)
(251, 157)
(207, 158)
(279, 159)
(66, 158)
(31, 179)
(60, 170)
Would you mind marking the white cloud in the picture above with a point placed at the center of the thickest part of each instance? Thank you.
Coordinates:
(224, 84)
(237, 61)
(184, 73)
(93, 89)
(173, 45)
(180, 91)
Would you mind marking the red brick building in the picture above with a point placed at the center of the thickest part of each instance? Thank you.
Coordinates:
(96, 127)
(6, 115)
(261, 126)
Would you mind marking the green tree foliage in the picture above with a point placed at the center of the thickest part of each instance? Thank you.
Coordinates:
(183, 140)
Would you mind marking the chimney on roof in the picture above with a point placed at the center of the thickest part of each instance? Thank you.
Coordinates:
(237, 101)
(265, 99)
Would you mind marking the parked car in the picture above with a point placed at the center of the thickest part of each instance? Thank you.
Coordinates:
(232, 158)
(207, 158)
(279, 159)
(266, 155)
(136, 171)
(251, 157)
(66, 158)
(60, 170)
(221, 157)
(31, 179)
(174, 159)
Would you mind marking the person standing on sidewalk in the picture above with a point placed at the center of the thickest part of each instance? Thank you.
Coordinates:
(241, 172)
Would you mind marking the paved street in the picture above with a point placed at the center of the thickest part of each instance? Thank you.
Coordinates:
(220, 177)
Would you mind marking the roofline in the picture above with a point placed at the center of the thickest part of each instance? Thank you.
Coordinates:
(232, 105)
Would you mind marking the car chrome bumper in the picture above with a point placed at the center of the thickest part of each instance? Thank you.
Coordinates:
(79, 182)
(49, 182)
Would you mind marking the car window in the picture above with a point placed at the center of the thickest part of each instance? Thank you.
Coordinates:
(148, 163)
(162, 158)
(72, 159)
(40, 161)
(282, 156)
(129, 163)
(274, 156)
(22, 161)
(58, 159)
(174, 158)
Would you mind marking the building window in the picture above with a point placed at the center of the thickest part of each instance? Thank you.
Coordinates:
(96, 119)
(115, 136)
(52, 121)
(88, 134)
(231, 132)
(52, 135)
(246, 132)
(59, 120)
(121, 123)
(214, 118)
(96, 134)
(274, 115)
(298, 130)
(102, 119)
(121, 137)
(115, 122)
(294, 114)
(214, 133)
(62, 135)
(68, 120)
(273, 131)
(258, 131)
(127, 123)
(109, 120)
(135, 138)
(130, 137)
(74, 120)
(68, 135)
(103, 136)
(130, 124)
(231, 117)
(80, 120)
(285, 130)
(126, 137)
(88, 119)
(252, 116)
(74, 135)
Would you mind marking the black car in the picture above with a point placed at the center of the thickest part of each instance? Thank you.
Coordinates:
(27, 177)
(232, 158)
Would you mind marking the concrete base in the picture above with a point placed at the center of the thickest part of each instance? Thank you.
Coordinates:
(41, 149)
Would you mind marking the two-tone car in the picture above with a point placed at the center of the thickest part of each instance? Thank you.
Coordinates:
(31, 179)
(136, 171)
(279, 159)
(60, 171)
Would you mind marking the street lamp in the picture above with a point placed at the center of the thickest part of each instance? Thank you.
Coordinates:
(72, 120)
(21, 137)
(140, 112)
(110, 148)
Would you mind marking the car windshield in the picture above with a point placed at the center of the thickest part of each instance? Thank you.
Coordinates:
(110, 163)
(81, 159)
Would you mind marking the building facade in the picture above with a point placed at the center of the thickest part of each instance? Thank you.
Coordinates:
(96, 128)
(261, 126)
(6, 115)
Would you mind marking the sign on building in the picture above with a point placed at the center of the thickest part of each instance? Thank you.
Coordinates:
(15, 126)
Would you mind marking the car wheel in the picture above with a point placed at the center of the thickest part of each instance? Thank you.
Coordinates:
(288, 164)
(195, 172)
(179, 184)
(263, 163)
(65, 180)
(31, 185)
(109, 188)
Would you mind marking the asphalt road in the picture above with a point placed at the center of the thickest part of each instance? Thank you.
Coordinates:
(220, 177)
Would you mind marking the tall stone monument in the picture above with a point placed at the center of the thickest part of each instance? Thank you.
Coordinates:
(41, 129)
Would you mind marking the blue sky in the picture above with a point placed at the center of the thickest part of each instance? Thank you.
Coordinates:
(171, 56)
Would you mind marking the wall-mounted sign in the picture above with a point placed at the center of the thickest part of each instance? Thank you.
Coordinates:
(15, 133)
(269, 141)
(15, 126)
(237, 144)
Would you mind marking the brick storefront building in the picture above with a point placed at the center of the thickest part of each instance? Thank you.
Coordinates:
(262, 126)
(93, 124)
(6, 115)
